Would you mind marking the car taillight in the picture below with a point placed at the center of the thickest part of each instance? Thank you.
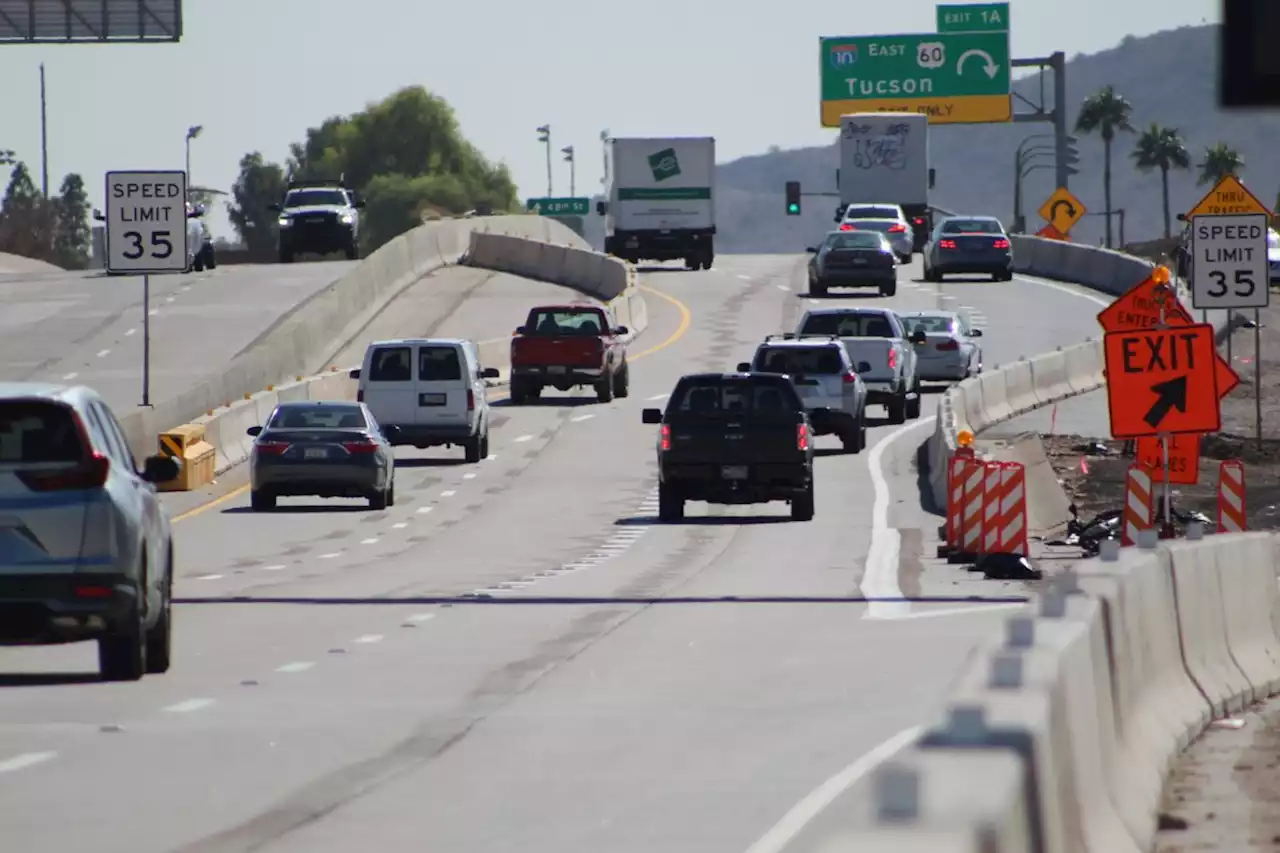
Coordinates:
(845, 226)
(89, 474)
(271, 448)
(946, 244)
(666, 437)
(471, 400)
(849, 378)
(893, 358)
(360, 396)
(363, 446)
(1001, 243)
(802, 437)
(898, 229)
(950, 344)
(919, 220)
(93, 591)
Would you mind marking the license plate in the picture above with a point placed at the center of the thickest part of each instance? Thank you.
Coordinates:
(859, 262)
(734, 472)
(431, 399)
(557, 370)
(315, 453)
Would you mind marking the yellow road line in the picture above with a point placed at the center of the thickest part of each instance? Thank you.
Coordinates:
(682, 328)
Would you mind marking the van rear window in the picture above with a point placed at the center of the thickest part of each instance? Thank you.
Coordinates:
(36, 431)
(439, 364)
(391, 364)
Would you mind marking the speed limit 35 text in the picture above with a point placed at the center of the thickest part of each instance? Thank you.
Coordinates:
(162, 194)
(1246, 234)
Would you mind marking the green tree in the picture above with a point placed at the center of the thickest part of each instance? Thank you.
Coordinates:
(259, 184)
(1219, 161)
(1105, 112)
(72, 237)
(27, 219)
(1162, 148)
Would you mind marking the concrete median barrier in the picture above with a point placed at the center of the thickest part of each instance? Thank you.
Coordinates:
(601, 276)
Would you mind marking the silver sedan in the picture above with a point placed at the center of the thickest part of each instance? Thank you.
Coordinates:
(950, 352)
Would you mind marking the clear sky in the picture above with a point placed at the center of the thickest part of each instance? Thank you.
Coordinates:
(257, 73)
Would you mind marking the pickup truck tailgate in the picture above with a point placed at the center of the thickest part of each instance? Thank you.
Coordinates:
(558, 351)
(725, 441)
(874, 351)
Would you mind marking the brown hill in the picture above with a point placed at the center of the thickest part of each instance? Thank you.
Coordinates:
(1169, 79)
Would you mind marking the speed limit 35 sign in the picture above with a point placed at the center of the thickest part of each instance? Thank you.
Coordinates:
(1229, 261)
(146, 222)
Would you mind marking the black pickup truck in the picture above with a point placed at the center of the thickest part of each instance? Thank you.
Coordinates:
(734, 438)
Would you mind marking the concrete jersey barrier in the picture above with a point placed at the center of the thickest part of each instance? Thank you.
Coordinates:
(336, 313)
(602, 276)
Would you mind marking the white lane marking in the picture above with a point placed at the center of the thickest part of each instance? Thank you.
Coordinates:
(785, 830)
(330, 555)
(276, 568)
(400, 525)
(299, 666)
(880, 578)
(188, 706)
(448, 494)
(658, 397)
(423, 510)
(209, 577)
(524, 438)
(25, 760)
(491, 457)
(744, 277)
(1053, 285)
(782, 287)
(103, 353)
(370, 541)
(154, 311)
(419, 618)
(580, 418)
(813, 302)
(369, 638)
(69, 377)
(959, 611)
(130, 333)
(469, 476)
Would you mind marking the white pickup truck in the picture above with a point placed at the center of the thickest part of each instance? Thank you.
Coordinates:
(878, 337)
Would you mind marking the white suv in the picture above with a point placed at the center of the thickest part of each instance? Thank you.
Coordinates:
(85, 547)
(826, 379)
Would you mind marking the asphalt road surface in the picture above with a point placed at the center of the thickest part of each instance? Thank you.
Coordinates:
(516, 656)
(87, 328)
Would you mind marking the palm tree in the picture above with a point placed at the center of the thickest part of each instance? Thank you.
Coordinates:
(1105, 112)
(1162, 148)
(1219, 161)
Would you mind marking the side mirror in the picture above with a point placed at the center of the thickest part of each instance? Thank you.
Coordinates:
(98, 215)
(864, 367)
(520, 330)
(744, 367)
(160, 469)
(390, 431)
(353, 374)
(976, 333)
(254, 431)
(813, 250)
(622, 330)
(489, 373)
(274, 208)
(651, 416)
(601, 207)
(359, 205)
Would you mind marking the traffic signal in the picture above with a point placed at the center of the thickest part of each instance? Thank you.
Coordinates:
(544, 133)
(793, 198)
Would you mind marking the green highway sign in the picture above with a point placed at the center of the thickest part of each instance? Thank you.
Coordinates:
(559, 206)
(974, 18)
(954, 78)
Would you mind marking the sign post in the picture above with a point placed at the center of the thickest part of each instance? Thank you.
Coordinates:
(146, 232)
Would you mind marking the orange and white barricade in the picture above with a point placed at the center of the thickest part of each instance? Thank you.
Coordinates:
(957, 474)
(1004, 510)
(1139, 504)
(1231, 506)
(969, 533)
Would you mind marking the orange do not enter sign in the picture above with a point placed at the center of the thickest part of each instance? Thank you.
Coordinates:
(1162, 381)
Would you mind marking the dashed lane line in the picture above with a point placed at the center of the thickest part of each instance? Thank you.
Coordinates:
(188, 706)
(25, 760)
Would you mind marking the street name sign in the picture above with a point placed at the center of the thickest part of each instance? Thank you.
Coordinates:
(1062, 210)
(1184, 458)
(1162, 381)
(559, 206)
(1229, 267)
(146, 217)
(1228, 196)
(953, 78)
(1139, 309)
(973, 18)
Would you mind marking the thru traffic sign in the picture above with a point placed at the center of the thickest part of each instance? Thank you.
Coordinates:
(1062, 210)
(1228, 196)
(1162, 381)
(146, 222)
(1229, 266)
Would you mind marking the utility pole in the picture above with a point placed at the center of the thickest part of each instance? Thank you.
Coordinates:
(567, 151)
(604, 150)
(192, 133)
(544, 136)
(44, 137)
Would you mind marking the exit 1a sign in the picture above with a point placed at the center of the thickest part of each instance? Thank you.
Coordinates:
(559, 206)
(974, 18)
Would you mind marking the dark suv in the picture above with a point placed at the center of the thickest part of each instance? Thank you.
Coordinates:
(318, 217)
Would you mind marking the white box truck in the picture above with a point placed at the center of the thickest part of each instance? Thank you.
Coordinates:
(884, 158)
(661, 203)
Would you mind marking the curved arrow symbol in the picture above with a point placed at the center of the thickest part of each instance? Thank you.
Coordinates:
(1062, 202)
(991, 68)
(1170, 395)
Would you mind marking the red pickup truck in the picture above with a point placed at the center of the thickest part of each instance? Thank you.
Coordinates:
(567, 346)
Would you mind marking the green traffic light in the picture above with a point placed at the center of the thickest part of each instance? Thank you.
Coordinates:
(793, 208)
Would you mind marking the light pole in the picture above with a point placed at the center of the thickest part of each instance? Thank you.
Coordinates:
(604, 150)
(567, 151)
(192, 133)
(1018, 224)
(544, 136)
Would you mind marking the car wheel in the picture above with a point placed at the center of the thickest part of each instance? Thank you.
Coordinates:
(851, 438)
(670, 504)
(197, 262)
(898, 408)
(391, 492)
(484, 445)
(915, 404)
(160, 635)
(817, 287)
(604, 389)
(889, 289)
(352, 251)
(123, 656)
(210, 258)
(622, 382)
(379, 500)
(802, 505)
(471, 449)
(260, 501)
(286, 257)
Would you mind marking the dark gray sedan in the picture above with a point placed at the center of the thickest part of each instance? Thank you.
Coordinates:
(323, 449)
(853, 259)
(963, 245)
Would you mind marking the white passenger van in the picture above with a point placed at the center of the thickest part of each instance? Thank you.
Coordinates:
(432, 389)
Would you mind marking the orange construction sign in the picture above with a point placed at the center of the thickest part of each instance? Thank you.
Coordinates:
(1228, 197)
(1139, 309)
(1051, 233)
(1184, 458)
(1162, 381)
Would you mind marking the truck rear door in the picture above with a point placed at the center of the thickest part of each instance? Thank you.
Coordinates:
(880, 353)
(442, 392)
(563, 339)
(388, 384)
